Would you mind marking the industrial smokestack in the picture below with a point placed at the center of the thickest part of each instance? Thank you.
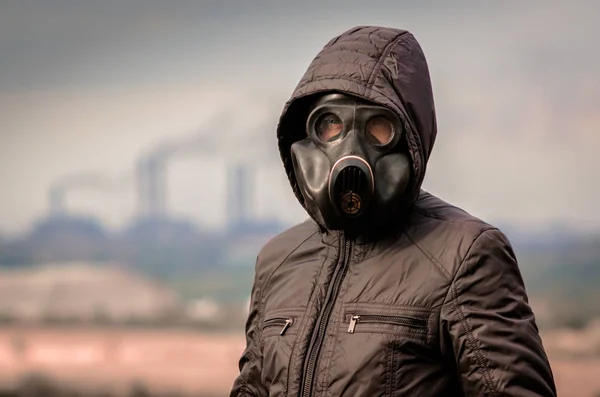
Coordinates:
(152, 172)
(141, 182)
(240, 194)
(56, 197)
(58, 192)
(146, 186)
(220, 137)
(157, 190)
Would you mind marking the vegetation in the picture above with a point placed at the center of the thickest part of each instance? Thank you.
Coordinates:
(40, 386)
(563, 272)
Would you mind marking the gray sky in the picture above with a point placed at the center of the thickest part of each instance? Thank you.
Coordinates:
(87, 86)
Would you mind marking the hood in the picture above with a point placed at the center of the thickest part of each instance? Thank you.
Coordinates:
(383, 65)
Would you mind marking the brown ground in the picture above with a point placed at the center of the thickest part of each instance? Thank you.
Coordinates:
(174, 360)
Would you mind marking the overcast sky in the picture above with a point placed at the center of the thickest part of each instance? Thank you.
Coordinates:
(87, 86)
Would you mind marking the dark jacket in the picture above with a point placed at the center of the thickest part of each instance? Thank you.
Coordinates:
(437, 307)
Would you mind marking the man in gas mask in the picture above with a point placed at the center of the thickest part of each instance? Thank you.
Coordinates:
(386, 290)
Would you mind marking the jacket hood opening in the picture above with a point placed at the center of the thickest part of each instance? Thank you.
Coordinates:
(383, 65)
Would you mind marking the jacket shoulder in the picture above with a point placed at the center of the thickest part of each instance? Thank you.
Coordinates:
(445, 233)
(279, 248)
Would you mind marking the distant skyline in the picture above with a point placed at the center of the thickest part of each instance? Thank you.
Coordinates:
(88, 86)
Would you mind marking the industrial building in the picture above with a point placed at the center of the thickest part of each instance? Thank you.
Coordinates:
(153, 239)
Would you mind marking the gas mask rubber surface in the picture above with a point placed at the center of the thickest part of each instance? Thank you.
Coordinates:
(349, 168)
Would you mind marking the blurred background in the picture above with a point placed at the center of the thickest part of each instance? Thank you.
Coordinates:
(140, 175)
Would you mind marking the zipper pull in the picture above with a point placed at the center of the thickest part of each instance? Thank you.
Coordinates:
(353, 321)
(287, 324)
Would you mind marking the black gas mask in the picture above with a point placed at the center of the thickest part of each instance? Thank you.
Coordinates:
(350, 169)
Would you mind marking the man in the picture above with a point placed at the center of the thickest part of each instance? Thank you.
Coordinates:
(386, 290)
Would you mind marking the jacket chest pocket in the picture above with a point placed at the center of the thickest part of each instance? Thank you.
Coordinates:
(418, 324)
(382, 349)
(279, 329)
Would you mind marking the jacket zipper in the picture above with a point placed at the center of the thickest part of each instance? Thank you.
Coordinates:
(319, 332)
(398, 320)
(283, 322)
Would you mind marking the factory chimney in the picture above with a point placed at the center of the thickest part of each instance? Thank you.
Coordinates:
(153, 186)
(240, 194)
(57, 194)
(152, 172)
(56, 197)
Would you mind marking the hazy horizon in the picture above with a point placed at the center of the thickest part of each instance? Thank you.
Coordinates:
(88, 87)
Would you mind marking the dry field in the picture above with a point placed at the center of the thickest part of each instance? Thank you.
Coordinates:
(201, 364)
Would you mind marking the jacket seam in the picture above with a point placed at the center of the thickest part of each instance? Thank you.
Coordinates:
(244, 377)
(350, 79)
(431, 215)
(474, 345)
(413, 136)
(281, 264)
(334, 77)
(246, 391)
(389, 369)
(463, 260)
(468, 253)
(431, 258)
(472, 341)
(341, 48)
(287, 385)
(386, 51)
(260, 317)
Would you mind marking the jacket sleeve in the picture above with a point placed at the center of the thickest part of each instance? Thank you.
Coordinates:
(490, 326)
(248, 383)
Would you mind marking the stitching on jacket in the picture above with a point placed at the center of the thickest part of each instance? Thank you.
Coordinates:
(433, 215)
(368, 59)
(350, 79)
(337, 77)
(281, 264)
(390, 368)
(245, 377)
(463, 260)
(475, 347)
(361, 83)
(388, 48)
(431, 258)
(472, 342)
(327, 256)
(336, 320)
(247, 392)
(260, 317)
(354, 50)
(360, 62)
(378, 32)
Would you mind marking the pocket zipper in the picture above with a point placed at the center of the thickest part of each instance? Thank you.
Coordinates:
(285, 323)
(398, 320)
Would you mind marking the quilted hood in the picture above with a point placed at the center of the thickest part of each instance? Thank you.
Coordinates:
(383, 65)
